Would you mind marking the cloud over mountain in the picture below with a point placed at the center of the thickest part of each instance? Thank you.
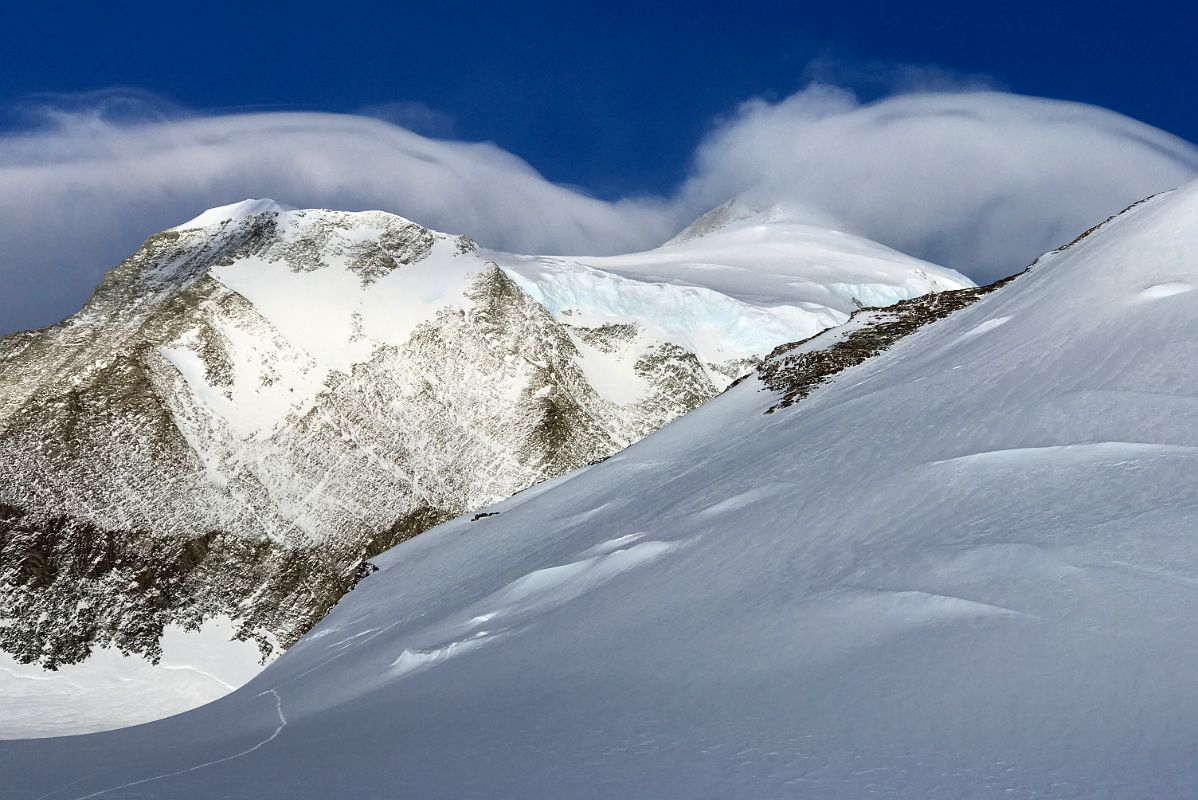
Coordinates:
(980, 181)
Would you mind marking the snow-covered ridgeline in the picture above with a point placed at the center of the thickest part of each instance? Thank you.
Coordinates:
(729, 295)
(726, 296)
(962, 568)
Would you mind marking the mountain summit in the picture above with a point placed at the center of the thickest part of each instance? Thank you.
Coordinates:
(234, 212)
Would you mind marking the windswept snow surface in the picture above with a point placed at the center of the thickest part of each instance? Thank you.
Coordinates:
(965, 568)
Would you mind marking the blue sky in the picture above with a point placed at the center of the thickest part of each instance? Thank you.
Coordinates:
(610, 97)
(972, 135)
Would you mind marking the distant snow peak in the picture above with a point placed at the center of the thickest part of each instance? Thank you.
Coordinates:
(746, 211)
(234, 212)
(718, 218)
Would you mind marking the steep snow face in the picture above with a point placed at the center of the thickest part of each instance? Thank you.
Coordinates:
(261, 399)
(964, 567)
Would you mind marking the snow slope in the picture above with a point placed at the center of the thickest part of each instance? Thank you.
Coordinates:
(112, 689)
(262, 398)
(963, 568)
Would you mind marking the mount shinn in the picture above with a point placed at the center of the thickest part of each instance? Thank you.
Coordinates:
(260, 400)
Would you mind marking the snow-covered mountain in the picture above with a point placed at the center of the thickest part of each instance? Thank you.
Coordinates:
(957, 560)
(259, 400)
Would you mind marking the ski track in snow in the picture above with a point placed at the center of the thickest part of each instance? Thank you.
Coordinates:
(209, 675)
(20, 677)
(342, 644)
(246, 752)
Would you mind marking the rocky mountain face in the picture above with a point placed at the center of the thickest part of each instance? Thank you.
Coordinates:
(257, 402)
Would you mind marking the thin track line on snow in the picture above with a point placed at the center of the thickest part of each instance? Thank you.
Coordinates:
(246, 752)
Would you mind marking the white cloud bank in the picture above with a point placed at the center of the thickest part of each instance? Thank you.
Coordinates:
(980, 181)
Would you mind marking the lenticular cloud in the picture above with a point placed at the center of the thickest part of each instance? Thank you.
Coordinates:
(982, 181)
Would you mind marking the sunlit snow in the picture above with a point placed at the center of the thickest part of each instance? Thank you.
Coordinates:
(964, 568)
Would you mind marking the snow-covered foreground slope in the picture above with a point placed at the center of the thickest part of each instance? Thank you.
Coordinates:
(262, 398)
(108, 689)
(963, 568)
